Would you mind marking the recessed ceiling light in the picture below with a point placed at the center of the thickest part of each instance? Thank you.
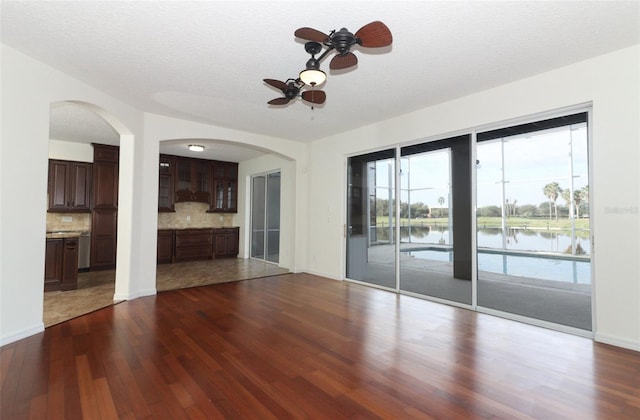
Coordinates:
(196, 148)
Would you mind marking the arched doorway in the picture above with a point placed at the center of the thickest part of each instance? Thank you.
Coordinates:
(210, 214)
(78, 133)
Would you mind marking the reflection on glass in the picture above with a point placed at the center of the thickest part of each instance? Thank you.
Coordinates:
(371, 219)
(533, 224)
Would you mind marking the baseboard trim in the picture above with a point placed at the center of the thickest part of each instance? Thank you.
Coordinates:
(117, 297)
(325, 275)
(38, 328)
(617, 341)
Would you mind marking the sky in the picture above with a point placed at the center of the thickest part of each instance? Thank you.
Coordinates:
(530, 162)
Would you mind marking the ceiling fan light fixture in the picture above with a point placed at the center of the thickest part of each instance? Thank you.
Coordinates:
(196, 148)
(313, 77)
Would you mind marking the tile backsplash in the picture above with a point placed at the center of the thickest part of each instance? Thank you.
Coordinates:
(68, 221)
(187, 215)
(193, 215)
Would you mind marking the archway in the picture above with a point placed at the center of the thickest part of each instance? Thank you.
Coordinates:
(74, 127)
(204, 215)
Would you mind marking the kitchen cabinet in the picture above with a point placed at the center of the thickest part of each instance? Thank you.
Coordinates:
(193, 180)
(61, 264)
(193, 244)
(166, 185)
(104, 213)
(226, 242)
(69, 186)
(183, 179)
(166, 239)
(225, 187)
(105, 177)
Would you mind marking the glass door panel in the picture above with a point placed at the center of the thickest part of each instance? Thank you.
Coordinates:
(433, 260)
(532, 237)
(258, 207)
(371, 219)
(272, 249)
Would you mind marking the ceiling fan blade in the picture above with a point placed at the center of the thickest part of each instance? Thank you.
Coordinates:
(276, 83)
(314, 96)
(311, 34)
(278, 101)
(345, 61)
(374, 35)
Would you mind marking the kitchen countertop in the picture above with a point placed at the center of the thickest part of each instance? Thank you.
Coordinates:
(65, 234)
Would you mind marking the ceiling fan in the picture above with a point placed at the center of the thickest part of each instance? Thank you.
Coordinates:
(372, 35)
(291, 90)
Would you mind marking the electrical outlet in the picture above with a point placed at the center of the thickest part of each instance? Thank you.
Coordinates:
(188, 218)
(67, 219)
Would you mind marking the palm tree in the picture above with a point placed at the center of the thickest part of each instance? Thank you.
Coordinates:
(584, 194)
(578, 197)
(441, 202)
(552, 191)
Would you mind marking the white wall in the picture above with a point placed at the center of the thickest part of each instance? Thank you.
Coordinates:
(610, 83)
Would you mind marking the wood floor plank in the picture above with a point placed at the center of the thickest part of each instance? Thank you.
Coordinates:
(301, 346)
(88, 400)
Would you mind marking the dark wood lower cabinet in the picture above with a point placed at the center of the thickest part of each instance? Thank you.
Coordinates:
(61, 264)
(166, 239)
(194, 244)
(226, 242)
(103, 239)
(197, 244)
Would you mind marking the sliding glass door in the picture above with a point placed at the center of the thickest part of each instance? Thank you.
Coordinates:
(265, 217)
(533, 230)
(410, 220)
(421, 244)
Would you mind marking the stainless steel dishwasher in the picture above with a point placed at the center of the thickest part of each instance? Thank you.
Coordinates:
(84, 251)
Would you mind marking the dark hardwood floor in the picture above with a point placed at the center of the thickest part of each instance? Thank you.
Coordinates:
(301, 346)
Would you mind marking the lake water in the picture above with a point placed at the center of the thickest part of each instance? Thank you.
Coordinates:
(516, 239)
(524, 266)
(557, 243)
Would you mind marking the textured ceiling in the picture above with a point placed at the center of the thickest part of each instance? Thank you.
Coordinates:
(205, 60)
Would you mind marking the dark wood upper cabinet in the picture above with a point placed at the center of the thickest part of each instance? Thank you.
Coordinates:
(184, 179)
(193, 180)
(105, 177)
(225, 187)
(166, 184)
(69, 186)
